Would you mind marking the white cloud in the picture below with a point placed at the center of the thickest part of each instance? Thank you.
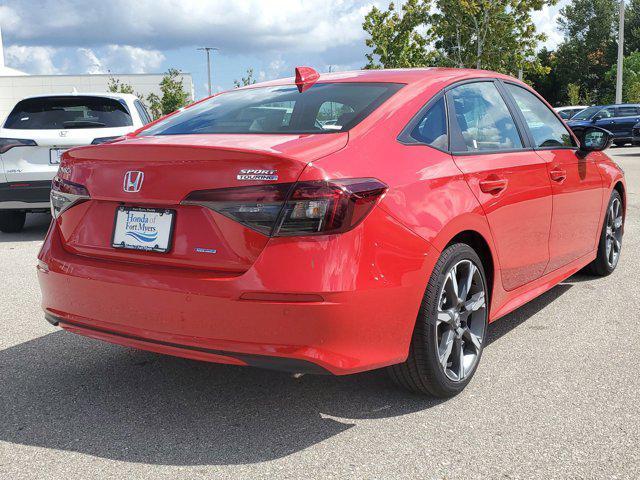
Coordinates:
(237, 28)
(37, 60)
(546, 22)
(112, 58)
(132, 59)
(89, 62)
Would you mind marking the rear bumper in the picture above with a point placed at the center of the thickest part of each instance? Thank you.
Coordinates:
(29, 195)
(360, 293)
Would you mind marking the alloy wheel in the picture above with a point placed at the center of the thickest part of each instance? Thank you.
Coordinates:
(613, 232)
(461, 320)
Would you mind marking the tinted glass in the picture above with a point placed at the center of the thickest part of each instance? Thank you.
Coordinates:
(323, 108)
(605, 113)
(483, 118)
(330, 113)
(53, 113)
(432, 127)
(627, 111)
(587, 113)
(142, 111)
(546, 129)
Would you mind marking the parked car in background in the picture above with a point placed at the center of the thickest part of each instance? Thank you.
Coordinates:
(618, 119)
(568, 112)
(427, 203)
(636, 134)
(40, 129)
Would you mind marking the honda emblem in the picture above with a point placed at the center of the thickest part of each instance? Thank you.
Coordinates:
(133, 181)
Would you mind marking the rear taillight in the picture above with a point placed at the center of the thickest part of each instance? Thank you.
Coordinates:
(65, 194)
(7, 144)
(293, 209)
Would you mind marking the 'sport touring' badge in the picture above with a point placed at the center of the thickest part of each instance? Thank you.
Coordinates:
(256, 174)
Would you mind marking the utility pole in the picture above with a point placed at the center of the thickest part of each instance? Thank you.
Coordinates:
(620, 54)
(208, 50)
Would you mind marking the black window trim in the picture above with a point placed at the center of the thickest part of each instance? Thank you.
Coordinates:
(515, 116)
(406, 139)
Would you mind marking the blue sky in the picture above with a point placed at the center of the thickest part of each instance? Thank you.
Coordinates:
(149, 36)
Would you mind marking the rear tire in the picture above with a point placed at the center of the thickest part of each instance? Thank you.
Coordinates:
(12, 221)
(610, 244)
(451, 327)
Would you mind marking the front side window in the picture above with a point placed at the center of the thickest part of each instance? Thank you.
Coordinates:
(483, 119)
(431, 129)
(586, 114)
(62, 112)
(546, 129)
(322, 108)
(608, 112)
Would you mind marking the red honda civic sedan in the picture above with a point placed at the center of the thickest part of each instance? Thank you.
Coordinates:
(332, 224)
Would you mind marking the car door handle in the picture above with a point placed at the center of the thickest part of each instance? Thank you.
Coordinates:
(493, 184)
(558, 175)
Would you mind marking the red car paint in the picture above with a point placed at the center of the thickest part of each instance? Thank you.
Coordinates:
(340, 303)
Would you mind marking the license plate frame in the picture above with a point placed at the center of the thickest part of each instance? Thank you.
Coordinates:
(142, 241)
(55, 155)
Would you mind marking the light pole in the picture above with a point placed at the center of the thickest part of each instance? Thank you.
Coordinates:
(620, 54)
(209, 50)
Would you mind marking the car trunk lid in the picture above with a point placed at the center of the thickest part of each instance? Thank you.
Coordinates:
(173, 167)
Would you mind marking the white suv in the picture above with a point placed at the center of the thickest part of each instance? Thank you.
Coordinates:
(39, 129)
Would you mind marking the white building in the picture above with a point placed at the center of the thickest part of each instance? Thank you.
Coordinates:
(16, 85)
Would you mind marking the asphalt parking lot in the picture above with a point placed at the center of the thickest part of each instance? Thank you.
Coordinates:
(556, 396)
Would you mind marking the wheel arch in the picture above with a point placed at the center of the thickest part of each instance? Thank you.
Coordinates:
(619, 187)
(481, 246)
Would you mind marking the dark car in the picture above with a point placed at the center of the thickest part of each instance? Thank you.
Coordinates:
(618, 119)
(636, 134)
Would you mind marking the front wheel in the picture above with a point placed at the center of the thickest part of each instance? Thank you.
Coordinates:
(450, 329)
(12, 221)
(610, 244)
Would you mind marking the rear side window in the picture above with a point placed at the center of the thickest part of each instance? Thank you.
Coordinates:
(482, 118)
(322, 108)
(142, 111)
(546, 129)
(627, 111)
(431, 129)
(55, 113)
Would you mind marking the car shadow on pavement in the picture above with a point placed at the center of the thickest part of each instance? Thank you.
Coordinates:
(35, 228)
(67, 392)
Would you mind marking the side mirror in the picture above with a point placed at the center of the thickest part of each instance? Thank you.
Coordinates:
(594, 139)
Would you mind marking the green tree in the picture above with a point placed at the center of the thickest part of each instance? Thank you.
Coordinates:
(545, 80)
(630, 77)
(117, 86)
(173, 94)
(589, 48)
(573, 93)
(497, 35)
(154, 103)
(632, 27)
(488, 34)
(244, 81)
(398, 39)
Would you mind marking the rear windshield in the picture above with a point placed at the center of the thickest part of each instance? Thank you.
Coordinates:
(323, 108)
(586, 114)
(53, 113)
